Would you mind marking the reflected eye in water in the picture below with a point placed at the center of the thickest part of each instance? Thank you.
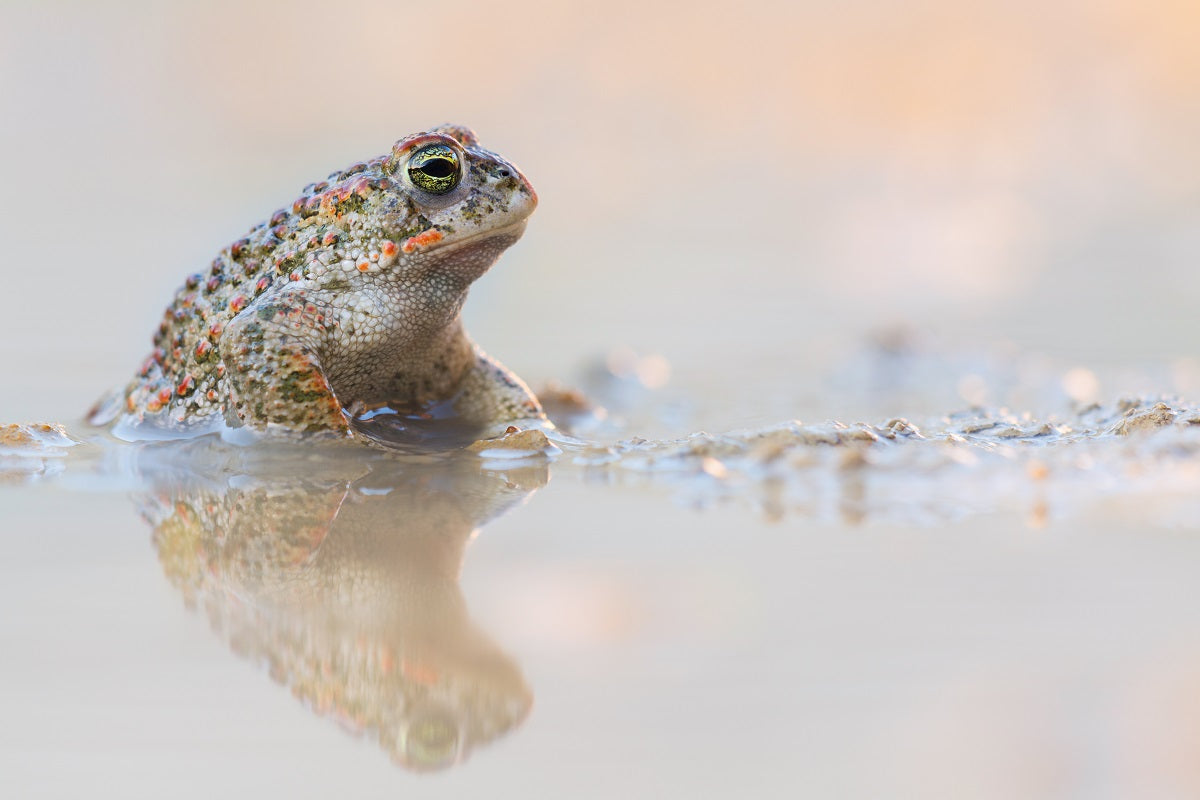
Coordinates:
(435, 168)
(430, 742)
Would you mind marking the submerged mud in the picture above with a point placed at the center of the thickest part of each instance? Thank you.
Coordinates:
(972, 462)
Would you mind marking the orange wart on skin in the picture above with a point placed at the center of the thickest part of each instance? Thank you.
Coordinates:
(421, 240)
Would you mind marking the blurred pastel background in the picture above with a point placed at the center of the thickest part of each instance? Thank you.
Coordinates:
(748, 189)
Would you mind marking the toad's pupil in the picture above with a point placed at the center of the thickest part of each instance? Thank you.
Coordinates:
(438, 168)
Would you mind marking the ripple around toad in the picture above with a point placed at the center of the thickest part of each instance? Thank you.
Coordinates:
(915, 472)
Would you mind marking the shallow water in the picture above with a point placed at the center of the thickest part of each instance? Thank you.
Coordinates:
(984, 602)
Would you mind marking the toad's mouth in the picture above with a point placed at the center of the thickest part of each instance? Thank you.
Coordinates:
(434, 240)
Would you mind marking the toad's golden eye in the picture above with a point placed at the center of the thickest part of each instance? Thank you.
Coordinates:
(434, 168)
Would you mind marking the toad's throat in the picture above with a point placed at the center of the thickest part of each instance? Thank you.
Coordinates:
(465, 260)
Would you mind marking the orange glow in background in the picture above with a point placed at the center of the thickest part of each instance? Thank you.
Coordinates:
(718, 181)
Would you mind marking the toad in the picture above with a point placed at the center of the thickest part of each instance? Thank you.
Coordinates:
(345, 303)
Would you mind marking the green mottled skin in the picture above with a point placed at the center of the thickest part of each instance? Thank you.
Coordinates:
(346, 302)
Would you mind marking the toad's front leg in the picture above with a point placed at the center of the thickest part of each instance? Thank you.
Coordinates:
(492, 396)
(273, 372)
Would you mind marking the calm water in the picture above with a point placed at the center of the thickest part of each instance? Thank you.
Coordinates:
(992, 604)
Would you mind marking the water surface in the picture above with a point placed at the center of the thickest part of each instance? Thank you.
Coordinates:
(987, 600)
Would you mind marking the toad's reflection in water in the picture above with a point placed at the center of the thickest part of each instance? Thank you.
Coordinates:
(346, 588)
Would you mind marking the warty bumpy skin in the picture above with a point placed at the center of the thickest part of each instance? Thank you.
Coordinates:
(347, 301)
